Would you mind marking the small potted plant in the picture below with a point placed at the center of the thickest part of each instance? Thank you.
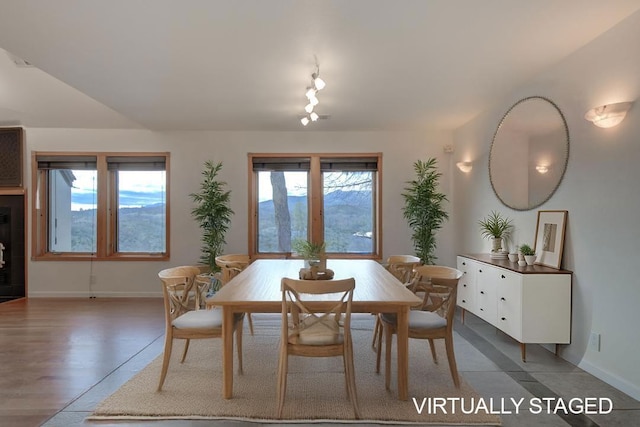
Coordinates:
(313, 253)
(529, 254)
(496, 227)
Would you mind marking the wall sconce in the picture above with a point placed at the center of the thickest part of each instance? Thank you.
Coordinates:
(609, 115)
(542, 169)
(464, 166)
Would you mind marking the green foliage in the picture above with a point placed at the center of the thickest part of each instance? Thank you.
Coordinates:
(526, 250)
(213, 213)
(308, 250)
(423, 209)
(495, 226)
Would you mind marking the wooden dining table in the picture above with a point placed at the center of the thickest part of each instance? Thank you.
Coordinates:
(257, 290)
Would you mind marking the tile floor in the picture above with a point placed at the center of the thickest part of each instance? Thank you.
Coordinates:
(487, 359)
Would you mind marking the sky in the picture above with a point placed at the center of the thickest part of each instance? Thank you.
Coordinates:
(136, 189)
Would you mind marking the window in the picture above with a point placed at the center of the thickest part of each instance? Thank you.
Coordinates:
(100, 206)
(322, 198)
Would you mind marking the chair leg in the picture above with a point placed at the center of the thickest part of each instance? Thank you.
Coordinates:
(374, 340)
(282, 381)
(452, 361)
(388, 338)
(433, 351)
(239, 328)
(379, 348)
(186, 348)
(168, 344)
(351, 378)
(250, 323)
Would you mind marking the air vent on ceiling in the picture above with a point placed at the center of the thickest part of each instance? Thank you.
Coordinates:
(20, 62)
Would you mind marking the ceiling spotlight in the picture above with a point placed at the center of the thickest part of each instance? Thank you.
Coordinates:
(313, 100)
(318, 82)
(304, 121)
(308, 108)
(313, 116)
(311, 93)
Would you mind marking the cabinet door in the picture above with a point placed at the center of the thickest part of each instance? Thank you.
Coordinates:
(486, 293)
(466, 285)
(509, 294)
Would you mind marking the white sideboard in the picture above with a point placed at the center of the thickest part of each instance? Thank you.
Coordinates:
(532, 304)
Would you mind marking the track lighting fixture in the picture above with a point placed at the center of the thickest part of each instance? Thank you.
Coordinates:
(311, 93)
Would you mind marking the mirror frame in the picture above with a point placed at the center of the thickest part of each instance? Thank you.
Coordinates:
(564, 166)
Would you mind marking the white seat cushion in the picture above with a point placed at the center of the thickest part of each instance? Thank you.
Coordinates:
(425, 320)
(419, 319)
(200, 319)
(322, 332)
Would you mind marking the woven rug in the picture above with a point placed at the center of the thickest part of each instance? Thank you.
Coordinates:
(316, 390)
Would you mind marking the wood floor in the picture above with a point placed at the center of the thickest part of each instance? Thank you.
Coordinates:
(53, 350)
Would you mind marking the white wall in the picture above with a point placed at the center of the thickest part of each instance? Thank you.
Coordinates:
(600, 191)
(188, 151)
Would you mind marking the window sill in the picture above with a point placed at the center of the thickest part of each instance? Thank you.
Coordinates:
(86, 257)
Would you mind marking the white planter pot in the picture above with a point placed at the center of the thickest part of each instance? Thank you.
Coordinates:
(530, 259)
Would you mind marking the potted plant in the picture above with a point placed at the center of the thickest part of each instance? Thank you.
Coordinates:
(423, 209)
(529, 254)
(313, 253)
(496, 227)
(213, 213)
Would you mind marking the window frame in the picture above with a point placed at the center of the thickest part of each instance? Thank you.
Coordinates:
(106, 210)
(315, 200)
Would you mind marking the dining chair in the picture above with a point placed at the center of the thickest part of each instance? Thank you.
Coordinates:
(434, 320)
(401, 266)
(231, 265)
(310, 330)
(187, 321)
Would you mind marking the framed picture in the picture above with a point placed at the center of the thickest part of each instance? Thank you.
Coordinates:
(550, 237)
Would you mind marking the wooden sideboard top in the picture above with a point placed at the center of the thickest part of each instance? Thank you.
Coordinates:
(513, 266)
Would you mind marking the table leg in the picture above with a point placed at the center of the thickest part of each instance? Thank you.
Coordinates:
(227, 352)
(403, 353)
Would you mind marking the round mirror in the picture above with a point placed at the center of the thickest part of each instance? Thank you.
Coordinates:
(529, 153)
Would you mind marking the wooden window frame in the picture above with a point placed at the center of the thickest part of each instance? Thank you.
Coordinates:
(314, 197)
(106, 211)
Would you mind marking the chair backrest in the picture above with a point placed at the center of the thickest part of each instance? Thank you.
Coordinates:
(309, 302)
(439, 286)
(231, 265)
(177, 286)
(401, 266)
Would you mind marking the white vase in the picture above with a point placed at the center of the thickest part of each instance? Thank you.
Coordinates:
(522, 263)
(530, 259)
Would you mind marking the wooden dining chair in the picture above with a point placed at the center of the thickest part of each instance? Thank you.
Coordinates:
(401, 266)
(231, 265)
(434, 320)
(312, 330)
(187, 321)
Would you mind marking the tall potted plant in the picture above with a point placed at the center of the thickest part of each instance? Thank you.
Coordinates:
(213, 212)
(423, 209)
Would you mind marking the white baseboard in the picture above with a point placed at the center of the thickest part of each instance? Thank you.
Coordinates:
(86, 294)
(613, 380)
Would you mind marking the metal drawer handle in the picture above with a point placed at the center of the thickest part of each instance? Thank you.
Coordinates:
(503, 318)
(503, 276)
(482, 292)
(502, 299)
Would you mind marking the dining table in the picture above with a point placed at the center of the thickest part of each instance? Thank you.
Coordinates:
(257, 290)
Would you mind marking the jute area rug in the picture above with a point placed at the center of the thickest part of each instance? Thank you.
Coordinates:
(316, 389)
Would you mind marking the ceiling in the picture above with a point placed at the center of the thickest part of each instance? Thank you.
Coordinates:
(245, 64)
